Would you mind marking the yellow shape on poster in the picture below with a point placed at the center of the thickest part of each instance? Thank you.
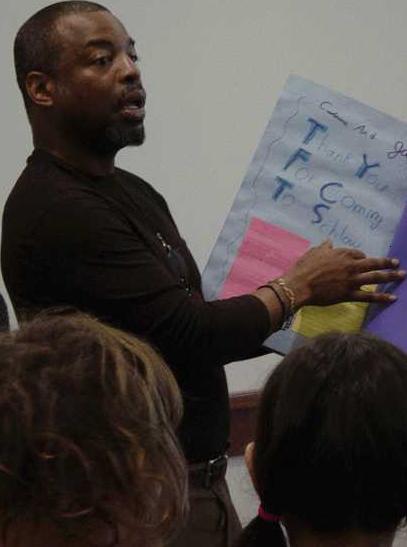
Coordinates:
(346, 317)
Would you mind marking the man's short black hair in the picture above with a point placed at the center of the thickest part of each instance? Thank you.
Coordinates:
(36, 46)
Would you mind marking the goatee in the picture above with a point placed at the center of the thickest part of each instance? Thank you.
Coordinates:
(114, 138)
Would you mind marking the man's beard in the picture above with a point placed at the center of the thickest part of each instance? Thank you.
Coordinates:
(112, 138)
(103, 139)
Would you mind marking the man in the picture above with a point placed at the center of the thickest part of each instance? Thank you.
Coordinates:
(79, 231)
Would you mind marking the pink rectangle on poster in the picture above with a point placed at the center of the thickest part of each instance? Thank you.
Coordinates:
(266, 252)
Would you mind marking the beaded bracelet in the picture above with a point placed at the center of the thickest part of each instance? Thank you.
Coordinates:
(287, 306)
(289, 293)
(271, 285)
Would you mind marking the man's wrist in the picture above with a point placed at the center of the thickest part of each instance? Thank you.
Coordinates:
(301, 290)
(286, 298)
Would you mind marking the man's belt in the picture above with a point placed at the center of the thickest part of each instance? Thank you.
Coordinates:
(205, 474)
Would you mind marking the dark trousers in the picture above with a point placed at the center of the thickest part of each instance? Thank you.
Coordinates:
(213, 521)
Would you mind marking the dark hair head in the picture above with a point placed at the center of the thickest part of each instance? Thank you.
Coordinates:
(331, 442)
(36, 46)
(87, 418)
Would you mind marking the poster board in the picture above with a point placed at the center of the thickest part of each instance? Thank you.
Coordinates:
(327, 166)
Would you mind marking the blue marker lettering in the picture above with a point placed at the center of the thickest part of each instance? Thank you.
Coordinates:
(282, 185)
(365, 166)
(322, 194)
(315, 126)
(298, 154)
(316, 210)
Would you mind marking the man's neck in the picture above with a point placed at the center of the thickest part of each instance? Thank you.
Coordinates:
(78, 157)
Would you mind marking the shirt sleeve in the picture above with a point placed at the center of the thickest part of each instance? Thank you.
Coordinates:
(94, 260)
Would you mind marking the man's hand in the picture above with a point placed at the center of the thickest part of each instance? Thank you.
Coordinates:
(325, 276)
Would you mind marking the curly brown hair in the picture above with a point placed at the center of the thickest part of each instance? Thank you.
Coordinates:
(87, 418)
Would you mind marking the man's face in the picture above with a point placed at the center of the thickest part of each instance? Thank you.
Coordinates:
(99, 98)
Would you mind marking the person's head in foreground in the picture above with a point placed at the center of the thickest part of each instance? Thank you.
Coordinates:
(330, 456)
(88, 455)
(77, 69)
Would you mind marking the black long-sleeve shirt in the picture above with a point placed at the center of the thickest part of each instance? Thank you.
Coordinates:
(108, 245)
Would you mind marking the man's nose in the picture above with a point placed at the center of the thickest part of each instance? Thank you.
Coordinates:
(129, 69)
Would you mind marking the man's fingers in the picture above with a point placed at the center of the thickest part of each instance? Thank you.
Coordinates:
(327, 243)
(353, 253)
(377, 277)
(365, 296)
(369, 264)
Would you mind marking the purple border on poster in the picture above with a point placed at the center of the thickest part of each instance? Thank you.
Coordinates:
(389, 322)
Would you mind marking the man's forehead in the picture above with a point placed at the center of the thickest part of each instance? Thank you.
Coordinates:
(77, 29)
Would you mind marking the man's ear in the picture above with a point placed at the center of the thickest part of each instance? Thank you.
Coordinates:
(40, 88)
(248, 458)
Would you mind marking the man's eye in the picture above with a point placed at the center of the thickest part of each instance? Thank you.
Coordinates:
(134, 57)
(103, 61)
